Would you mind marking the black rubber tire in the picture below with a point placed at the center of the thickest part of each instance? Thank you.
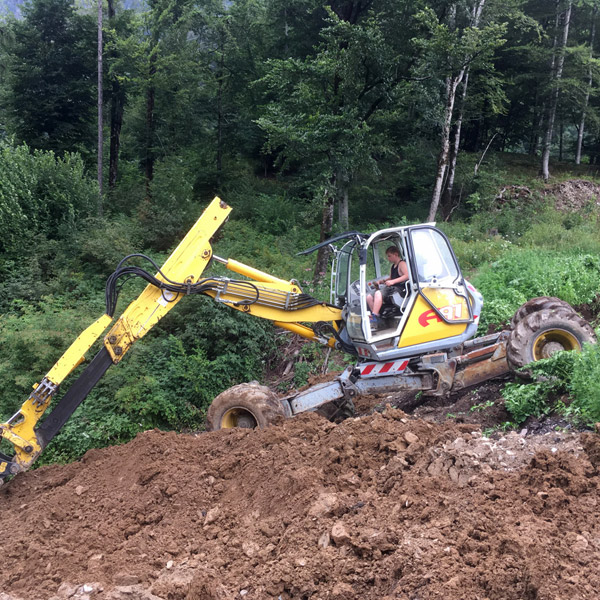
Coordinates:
(535, 304)
(543, 332)
(247, 405)
(336, 414)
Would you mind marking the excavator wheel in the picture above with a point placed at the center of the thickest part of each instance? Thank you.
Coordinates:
(535, 304)
(544, 332)
(247, 405)
(336, 413)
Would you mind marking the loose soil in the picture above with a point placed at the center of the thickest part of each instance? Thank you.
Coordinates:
(378, 507)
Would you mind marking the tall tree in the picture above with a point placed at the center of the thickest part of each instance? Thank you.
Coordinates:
(52, 62)
(454, 42)
(475, 19)
(328, 111)
(100, 108)
(121, 62)
(563, 21)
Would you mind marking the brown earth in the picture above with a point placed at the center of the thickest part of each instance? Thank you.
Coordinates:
(379, 507)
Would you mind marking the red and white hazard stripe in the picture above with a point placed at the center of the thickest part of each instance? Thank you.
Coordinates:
(382, 368)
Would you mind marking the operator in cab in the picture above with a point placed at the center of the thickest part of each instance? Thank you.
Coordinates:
(388, 285)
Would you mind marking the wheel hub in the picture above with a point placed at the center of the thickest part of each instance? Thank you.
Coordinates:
(553, 341)
(238, 417)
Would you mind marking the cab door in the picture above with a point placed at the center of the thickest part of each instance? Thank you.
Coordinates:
(442, 308)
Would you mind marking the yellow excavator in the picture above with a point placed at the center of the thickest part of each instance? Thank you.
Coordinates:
(424, 340)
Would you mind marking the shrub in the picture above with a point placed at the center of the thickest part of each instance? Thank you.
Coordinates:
(576, 374)
(524, 274)
(584, 385)
(40, 193)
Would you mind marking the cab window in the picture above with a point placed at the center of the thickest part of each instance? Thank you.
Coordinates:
(433, 256)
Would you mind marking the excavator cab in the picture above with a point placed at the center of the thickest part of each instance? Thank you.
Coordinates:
(434, 310)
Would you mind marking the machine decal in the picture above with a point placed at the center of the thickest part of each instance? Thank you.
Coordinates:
(378, 368)
(453, 312)
(425, 325)
(427, 316)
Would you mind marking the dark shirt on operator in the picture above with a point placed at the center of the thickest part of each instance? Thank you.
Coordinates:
(399, 287)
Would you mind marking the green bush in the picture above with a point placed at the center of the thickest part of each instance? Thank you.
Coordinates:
(551, 378)
(170, 210)
(524, 274)
(572, 374)
(41, 194)
(584, 385)
(33, 338)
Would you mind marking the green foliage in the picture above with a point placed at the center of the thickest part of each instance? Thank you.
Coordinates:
(169, 212)
(100, 244)
(482, 406)
(584, 386)
(523, 274)
(51, 77)
(575, 374)
(33, 338)
(523, 401)
(40, 194)
(309, 362)
(96, 424)
(330, 111)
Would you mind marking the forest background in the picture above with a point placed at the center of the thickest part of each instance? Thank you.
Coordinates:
(309, 118)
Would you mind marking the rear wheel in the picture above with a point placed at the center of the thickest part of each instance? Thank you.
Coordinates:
(545, 332)
(247, 405)
(535, 304)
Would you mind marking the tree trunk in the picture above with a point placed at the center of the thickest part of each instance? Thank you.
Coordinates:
(342, 196)
(587, 92)
(100, 105)
(117, 106)
(538, 128)
(556, 76)
(326, 226)
(561, 131)
(150, 93)
(451, 85)
(220, 75)
(343, 208)
(447, 195)
(446, 167)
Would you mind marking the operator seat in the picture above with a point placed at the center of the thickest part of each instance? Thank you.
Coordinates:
(395, 304)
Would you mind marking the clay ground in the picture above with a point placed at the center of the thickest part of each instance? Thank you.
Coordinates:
(378, 507)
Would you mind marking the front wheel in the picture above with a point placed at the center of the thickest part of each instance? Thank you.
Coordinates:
(247, 405)
(543, 333)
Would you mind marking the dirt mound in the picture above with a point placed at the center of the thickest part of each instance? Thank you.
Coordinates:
(575, 195)
(379, 507)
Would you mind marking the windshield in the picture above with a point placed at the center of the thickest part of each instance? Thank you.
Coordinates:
(434, 259)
